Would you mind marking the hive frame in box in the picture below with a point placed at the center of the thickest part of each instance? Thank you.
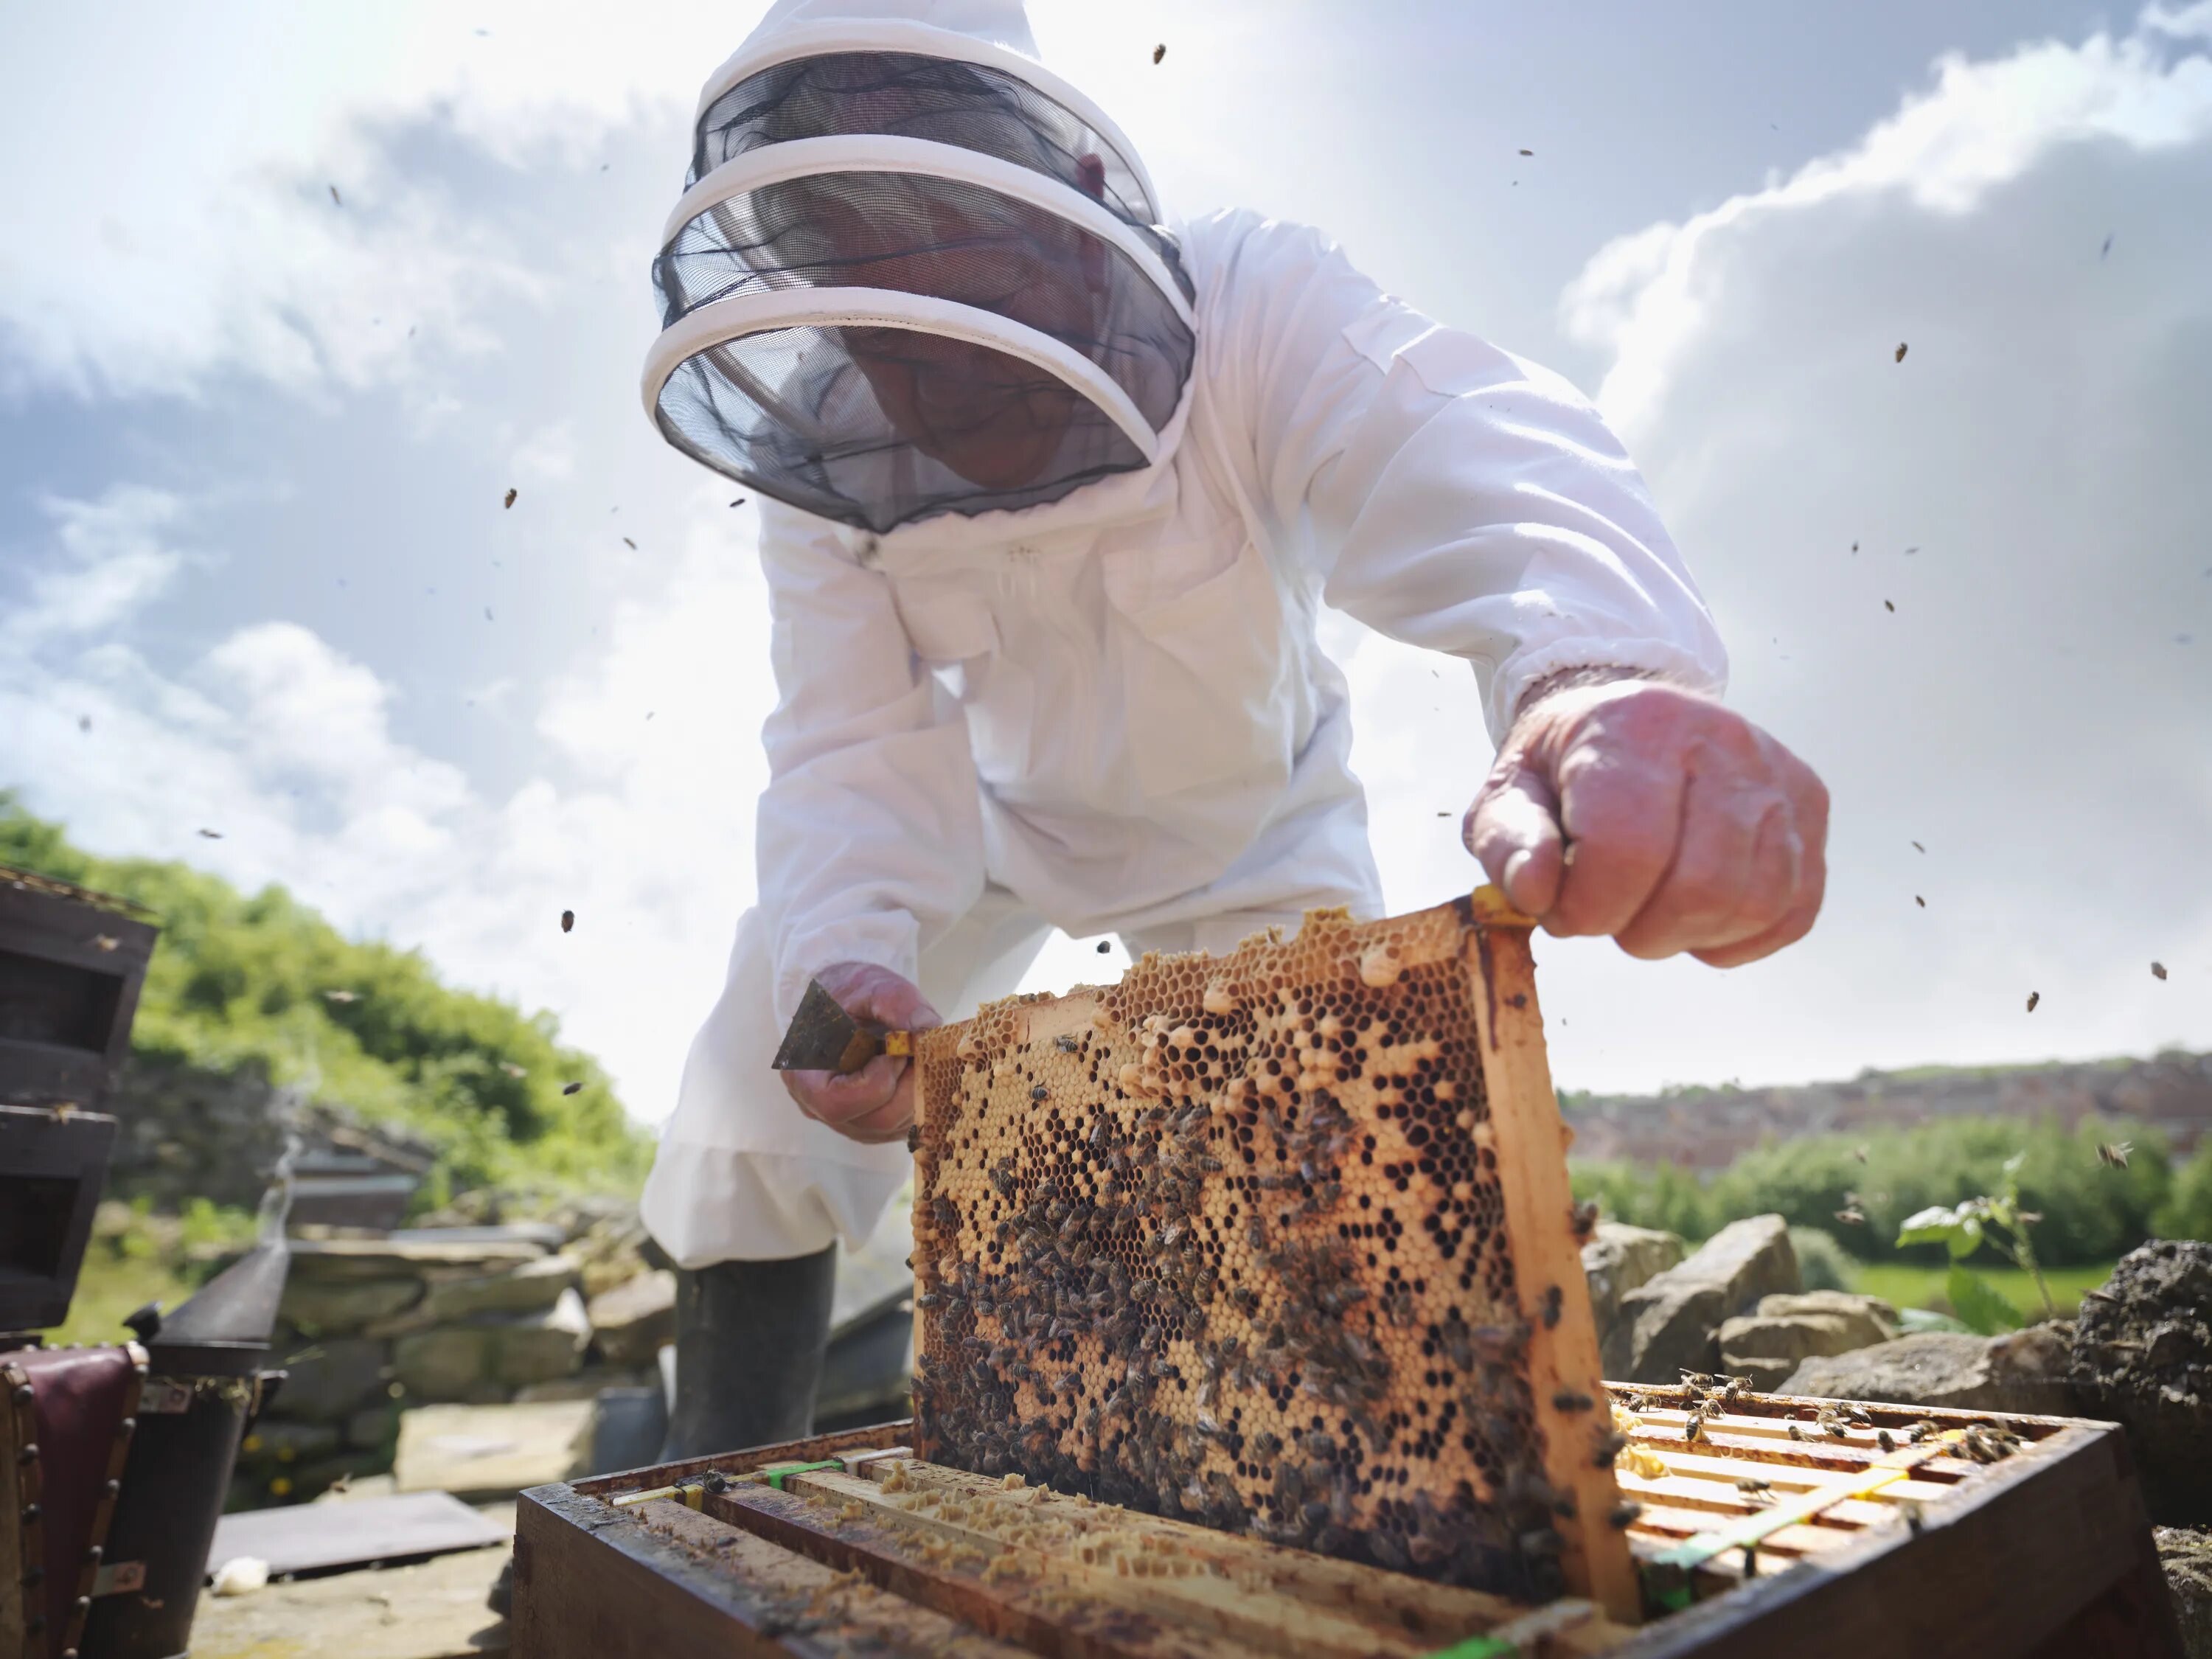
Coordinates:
(1279, 1240)
(859, 1549)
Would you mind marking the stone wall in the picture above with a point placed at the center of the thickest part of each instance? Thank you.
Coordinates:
(373, 1327)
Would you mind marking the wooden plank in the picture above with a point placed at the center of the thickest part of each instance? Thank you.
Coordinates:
(656, 1580)
(1563, 1354)
(1438, 1612)
(2011, 1557)
(317, 1537)
(831, 1610)
(998, 1590)
(1092, 1550)
(899, 1432)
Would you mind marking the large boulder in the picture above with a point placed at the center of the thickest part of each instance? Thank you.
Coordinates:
(1769, 1344)
(483, 1452)
(450, 1364)
(2142, 1357)
(1671, 1323)
(330, 1380)
(528, 1287)
(1618, 1258)
(2023, 1371)
(539, 1347)
(632, 1320)
(321, 1306)
(399, 1256)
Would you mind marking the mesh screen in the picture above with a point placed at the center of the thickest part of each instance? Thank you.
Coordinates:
(967, 105)
(879, 426)
(948, 240)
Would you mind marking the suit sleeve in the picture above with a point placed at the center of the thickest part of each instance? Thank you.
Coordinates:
(1442, 491)
(870, 838)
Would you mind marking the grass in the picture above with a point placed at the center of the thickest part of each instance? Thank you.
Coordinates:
(135, 1257)
(1905, 1285)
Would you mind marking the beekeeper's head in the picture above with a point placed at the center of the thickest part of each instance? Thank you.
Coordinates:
(913, 272)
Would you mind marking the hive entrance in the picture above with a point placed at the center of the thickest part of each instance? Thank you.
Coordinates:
(1247, 1240)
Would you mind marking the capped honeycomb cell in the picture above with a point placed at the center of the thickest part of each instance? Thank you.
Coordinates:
(1279, 1241)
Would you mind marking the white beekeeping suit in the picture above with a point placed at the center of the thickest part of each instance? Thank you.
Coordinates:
(1078, 685)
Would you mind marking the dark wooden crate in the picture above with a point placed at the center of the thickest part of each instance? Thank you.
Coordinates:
(2044, 1554)
(71, 963)
(53, 1166)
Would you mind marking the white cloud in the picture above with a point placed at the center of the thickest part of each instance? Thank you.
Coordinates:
(2026, 488)
(1649, 296)
(286, 746)
(111, 562)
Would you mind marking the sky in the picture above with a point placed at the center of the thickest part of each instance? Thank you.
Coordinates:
(281, 325)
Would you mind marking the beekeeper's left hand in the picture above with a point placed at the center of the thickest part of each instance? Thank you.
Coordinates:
(1648, 812)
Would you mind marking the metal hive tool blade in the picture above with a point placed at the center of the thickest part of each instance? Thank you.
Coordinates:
(823, 1037)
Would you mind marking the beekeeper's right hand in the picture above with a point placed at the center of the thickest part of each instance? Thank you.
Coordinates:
(875, 1103)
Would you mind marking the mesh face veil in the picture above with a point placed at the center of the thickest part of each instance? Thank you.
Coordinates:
(914, 273)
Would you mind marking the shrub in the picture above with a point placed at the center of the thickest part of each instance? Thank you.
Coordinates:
(2091, 1211)
(1822, 1264)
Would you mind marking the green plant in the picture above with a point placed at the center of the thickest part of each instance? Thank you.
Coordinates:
(261, 983)
(1962, 1229)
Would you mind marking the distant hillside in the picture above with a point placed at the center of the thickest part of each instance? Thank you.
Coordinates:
(247, 987)
(1704, 1129)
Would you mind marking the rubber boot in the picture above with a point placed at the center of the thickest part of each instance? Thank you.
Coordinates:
(749, 1341)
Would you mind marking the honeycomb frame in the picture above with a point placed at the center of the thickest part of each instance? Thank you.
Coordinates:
(1279, 1241)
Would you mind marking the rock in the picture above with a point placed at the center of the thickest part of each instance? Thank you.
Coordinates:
(332, 1307)
(529, 1288)
(2142, 1357)
(486, 1451)
(443, 1364)
(1768, 1344)
(2186, 1555)
(397, 1257)
(539, 1347)
(2024, 1371)
(332, 1380)
(630, 1321)
(1670, 1324)
(1618, 1258)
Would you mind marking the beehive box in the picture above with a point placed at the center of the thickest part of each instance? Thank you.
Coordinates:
(848, 1545)
(1281, 1243)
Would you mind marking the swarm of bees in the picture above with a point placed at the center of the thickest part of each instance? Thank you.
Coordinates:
(1225, 1242)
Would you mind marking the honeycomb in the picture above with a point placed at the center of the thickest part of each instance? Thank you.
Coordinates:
(1228, 1241)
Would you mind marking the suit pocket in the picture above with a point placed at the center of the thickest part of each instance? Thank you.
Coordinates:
(1204, 670)
(955, 634)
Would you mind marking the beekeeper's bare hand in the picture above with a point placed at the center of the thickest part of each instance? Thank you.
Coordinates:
(876, 1103)
(1639, 810)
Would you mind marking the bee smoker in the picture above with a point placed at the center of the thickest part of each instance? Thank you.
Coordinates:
(205, 1384)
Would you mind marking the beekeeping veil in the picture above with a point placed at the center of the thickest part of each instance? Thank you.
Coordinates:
(913, 272)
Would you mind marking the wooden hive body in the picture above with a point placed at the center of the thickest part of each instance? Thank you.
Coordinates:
(1280, 1242)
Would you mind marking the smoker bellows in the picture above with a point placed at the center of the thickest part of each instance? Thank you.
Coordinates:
(1280, 1242)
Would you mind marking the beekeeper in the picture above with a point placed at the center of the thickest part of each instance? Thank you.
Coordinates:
(1052, 494)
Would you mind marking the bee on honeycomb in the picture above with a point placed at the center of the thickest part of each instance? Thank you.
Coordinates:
(1229, 1241)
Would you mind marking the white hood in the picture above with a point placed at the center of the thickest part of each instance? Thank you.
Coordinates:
(913, 272)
